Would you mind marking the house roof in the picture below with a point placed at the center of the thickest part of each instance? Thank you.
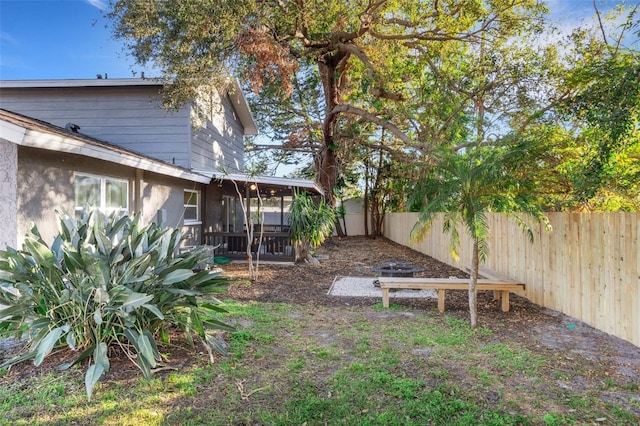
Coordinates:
(263, 180)
(235, 92)
(27, 131)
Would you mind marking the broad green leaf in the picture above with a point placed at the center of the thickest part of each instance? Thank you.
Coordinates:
(100, 356)
(73, 260)
(214, 324)
(71, 340)
(144, 366)
(212, 307)
(132, 336)
(176, 276)
(46, 345)
(41, 253)
(102, 241)
(154, 309)
(216, 344)
(135, 300)
(184, 292)
(146, 350)
(97, 317)
(17, 359)
(152, 342)
(94, 372)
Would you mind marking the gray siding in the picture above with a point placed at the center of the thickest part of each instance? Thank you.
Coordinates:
(46, 185)
(220, 143)
(8, 193)
(130, 117)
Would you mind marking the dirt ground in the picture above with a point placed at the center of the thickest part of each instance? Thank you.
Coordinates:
(526, 322)
(581, 347)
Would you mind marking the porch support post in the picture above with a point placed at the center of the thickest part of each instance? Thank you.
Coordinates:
(281, 212)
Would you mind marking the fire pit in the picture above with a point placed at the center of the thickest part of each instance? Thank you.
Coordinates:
(397, 269)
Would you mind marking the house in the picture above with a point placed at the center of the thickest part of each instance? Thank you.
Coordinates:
(110, 144)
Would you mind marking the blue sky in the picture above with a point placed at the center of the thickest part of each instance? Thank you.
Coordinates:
(58, 39)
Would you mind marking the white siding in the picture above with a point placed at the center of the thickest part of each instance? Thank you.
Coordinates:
(130, 117)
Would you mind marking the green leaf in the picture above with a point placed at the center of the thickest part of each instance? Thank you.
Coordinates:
(216, 344)
(152, 342)
(146, 350)
(184, 292)
(94, 372)
(97, 317)
(177, 276)
(46, 345)
(71, 340)
(145, 367)
(101, 357)
(214, 324)
(154, 309)
(73, 260)
(135, 300)
(41, 253)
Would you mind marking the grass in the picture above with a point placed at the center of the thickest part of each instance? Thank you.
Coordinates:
(293, 365)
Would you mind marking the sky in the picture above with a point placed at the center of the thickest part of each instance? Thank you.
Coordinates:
(69, 39)
(59, 39)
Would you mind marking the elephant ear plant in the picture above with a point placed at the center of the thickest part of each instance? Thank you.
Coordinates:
(107, 285)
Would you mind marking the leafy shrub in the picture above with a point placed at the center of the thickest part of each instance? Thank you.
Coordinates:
(106, 283)
(310, 223)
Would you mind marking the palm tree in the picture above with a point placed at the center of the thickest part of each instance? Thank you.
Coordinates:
(464, 187)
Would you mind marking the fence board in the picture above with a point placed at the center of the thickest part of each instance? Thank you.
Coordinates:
(588, 267)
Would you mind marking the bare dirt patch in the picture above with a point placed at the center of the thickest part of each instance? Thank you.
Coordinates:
(592, 353)
(579, 361)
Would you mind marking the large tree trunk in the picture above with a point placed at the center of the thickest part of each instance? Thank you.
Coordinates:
(366, 197)
(473, 281)
(326, 159)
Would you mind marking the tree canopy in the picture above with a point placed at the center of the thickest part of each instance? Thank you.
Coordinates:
(334, 79)
(376, 61)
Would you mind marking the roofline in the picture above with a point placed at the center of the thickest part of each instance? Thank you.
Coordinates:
(268, 180)
(29, 132)
(236, 95)
(85, 82)
(243, 109)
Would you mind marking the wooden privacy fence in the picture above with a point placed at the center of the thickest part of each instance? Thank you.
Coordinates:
(587, 267)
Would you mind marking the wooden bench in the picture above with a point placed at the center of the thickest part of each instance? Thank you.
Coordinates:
(500, 286)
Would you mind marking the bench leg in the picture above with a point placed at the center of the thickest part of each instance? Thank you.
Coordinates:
(385, 297)
(496, 294)
(505, 300)
(441, 300)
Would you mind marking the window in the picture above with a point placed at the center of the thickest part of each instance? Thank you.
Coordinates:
(103, 193)
(191, 206)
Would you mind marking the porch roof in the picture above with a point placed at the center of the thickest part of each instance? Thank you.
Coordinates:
(272, 181)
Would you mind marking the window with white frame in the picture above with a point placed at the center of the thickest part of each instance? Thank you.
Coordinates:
(104, 193)
(191, 206)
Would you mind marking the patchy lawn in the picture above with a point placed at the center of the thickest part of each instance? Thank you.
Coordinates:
(302, 357)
